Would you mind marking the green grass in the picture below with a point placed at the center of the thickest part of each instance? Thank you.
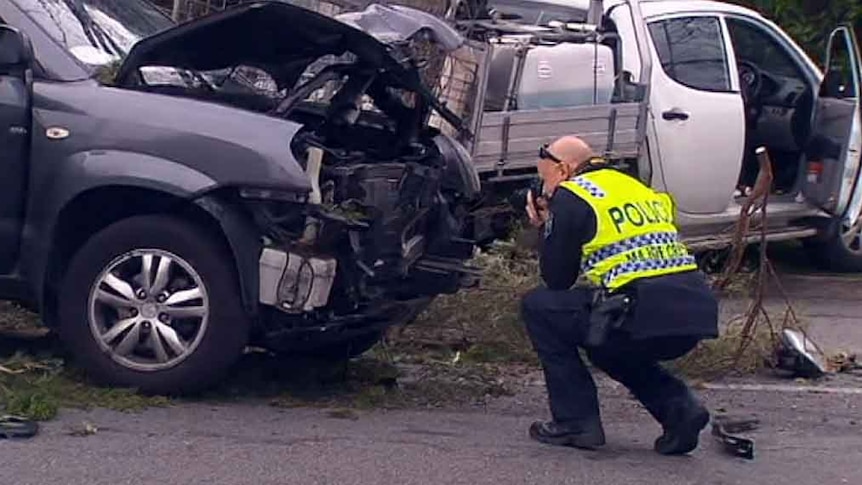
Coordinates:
(720, 357)
(37, 388)
(482, 325)
(15, 319)
(35, 383)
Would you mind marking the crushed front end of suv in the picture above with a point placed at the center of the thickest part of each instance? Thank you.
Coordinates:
(265, 175)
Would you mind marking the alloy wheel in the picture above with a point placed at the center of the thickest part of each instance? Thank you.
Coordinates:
(148, 310)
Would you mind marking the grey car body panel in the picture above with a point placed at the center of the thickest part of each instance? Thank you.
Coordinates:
(231, 146)
(255, 34)
(262, 34)
(124, 138)
(245, 245)
(15, 143)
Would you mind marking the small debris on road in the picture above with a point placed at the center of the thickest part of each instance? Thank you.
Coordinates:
(343, 414)
(842, 362)
(800, 356)
(725, 429)
(86, 429)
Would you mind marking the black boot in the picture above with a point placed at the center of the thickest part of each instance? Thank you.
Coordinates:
(685, 420)
(588, 435)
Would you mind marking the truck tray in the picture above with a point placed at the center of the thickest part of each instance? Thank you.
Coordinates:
(508, 141)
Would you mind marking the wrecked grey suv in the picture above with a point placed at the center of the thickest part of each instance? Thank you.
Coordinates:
(264, 176)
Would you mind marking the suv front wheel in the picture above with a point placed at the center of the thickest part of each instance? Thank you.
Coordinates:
(152, 303)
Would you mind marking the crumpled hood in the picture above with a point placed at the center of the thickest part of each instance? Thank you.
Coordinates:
(391, 24)
(273, 35)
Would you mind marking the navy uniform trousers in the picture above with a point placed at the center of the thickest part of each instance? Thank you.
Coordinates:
(557, 324)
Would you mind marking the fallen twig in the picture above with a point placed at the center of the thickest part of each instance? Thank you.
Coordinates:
(755, 208)
(26, 367)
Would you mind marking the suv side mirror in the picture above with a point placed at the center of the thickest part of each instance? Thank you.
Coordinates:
(16, 52)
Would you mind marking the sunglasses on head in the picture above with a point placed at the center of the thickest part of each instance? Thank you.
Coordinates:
(545, 154)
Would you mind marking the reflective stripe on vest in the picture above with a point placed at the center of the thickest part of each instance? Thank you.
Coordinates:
(635, 235)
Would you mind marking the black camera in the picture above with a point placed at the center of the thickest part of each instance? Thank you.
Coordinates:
(518, 199)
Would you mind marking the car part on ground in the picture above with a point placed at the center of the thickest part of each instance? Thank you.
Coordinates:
(725, 430)
(799, 355)
(13, 427)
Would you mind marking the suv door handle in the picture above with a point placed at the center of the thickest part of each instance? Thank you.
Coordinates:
(675, 114)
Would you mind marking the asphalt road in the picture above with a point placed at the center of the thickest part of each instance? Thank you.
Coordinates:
(804, 438)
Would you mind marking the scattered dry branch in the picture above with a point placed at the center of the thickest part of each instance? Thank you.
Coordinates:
(753, 216)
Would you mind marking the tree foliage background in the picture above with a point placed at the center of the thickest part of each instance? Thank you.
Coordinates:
(810, 22)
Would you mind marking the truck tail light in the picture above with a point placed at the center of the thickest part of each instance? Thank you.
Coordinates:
(815, 171)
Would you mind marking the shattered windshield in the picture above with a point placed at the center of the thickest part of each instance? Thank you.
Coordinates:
(97, 32)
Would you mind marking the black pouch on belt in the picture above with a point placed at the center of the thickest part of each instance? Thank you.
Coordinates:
(609, 311)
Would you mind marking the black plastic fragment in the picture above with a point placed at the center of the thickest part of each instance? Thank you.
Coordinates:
(14, 427)
(725, 431)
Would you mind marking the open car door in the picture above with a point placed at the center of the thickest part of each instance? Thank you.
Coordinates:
(834, 150)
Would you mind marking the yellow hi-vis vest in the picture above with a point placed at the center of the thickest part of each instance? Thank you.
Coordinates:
(635, 233)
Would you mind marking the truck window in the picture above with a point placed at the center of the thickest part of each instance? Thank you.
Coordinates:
(838, 79)
(691, 51)
(754, 45)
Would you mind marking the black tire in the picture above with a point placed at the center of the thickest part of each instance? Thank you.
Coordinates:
(224, 337)
(832, 252)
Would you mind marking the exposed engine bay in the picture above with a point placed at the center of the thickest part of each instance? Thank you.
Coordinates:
(386, 222)
(389, 203)
(386, 226)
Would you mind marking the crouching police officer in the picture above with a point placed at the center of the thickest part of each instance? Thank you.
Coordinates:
(646, 302)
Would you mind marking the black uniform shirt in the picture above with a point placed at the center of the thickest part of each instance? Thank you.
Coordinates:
(572, 223)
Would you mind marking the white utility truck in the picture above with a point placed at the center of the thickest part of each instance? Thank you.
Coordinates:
(681, 94)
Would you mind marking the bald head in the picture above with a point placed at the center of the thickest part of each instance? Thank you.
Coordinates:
(571, 150)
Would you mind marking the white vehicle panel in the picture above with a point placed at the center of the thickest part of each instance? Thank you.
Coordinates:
(701, 135)
(852, 173)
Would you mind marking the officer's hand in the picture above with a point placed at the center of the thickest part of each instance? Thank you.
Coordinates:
(537, 210)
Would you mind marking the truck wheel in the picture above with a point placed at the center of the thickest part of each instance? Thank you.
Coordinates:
(840, 248)
(152, 303)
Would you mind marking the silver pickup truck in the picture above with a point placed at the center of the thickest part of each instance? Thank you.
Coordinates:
(680, 94)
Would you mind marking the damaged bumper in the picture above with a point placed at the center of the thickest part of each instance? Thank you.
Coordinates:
(297, 283)
(294, 283)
